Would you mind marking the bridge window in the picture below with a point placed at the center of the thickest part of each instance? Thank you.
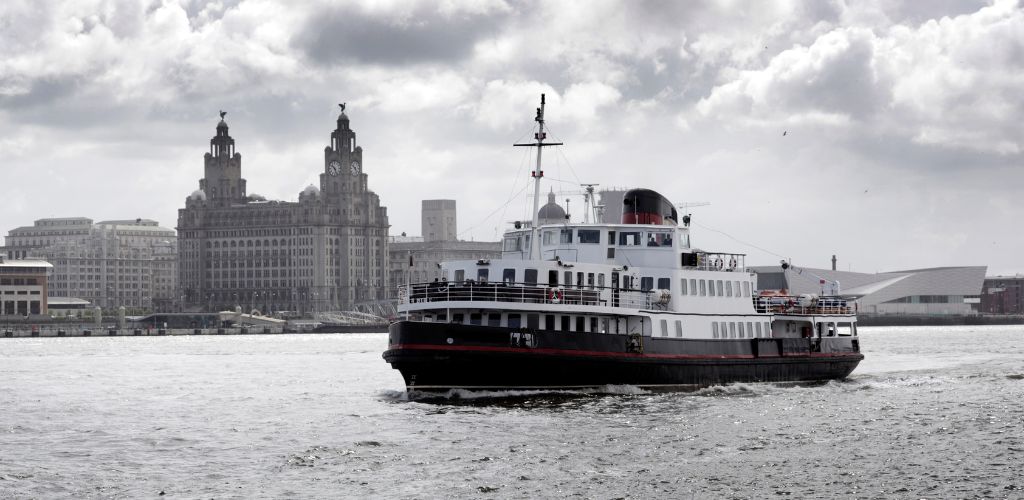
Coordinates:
(565, 236)
(629, 239)
(548, 238)
(588, 236)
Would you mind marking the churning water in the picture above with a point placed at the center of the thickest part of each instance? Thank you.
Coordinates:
(931, 413)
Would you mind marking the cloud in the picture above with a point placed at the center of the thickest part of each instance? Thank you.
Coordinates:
(397, 33)
(949, 83)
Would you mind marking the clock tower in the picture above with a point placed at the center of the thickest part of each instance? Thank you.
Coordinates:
(343, 160)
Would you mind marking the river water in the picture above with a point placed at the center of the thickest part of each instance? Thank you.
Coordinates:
(931, 413)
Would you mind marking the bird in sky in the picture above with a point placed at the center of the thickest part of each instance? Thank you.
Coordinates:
(784, 132)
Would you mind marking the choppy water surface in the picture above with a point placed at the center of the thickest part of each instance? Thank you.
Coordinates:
(932, 413)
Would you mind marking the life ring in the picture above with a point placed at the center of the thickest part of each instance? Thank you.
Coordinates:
(718, 263)
(732, 263)
(555, 295)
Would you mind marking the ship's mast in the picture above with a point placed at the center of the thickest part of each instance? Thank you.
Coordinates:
(539, 136)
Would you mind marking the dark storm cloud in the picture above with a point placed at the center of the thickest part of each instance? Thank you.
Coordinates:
(425, 36)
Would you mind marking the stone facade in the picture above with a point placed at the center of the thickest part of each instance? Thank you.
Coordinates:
(326, 252)
(114, 263)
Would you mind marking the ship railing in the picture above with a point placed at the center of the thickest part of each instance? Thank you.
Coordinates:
(802, 305)
(524, 293)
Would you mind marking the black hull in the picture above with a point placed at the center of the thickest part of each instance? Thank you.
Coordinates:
(480, 357)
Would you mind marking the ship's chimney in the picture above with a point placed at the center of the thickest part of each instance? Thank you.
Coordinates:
(833, 262)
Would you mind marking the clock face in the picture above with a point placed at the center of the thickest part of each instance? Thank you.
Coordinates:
(354, 167)
(334, 168)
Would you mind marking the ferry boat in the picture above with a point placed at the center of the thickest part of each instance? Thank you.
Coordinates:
(582, 305)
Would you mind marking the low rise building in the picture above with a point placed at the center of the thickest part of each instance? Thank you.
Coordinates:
(1003, 295)
(939, 291)
(23, 287)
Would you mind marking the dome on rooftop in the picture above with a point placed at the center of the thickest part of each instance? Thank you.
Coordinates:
(552, 212)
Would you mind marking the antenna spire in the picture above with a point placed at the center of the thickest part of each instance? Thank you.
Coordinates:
(537, 173)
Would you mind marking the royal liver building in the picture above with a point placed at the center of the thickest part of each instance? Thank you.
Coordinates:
(326, 252)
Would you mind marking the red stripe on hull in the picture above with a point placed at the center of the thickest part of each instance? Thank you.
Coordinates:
(602, 354)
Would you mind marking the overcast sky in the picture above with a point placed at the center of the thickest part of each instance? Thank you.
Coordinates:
(885, 132)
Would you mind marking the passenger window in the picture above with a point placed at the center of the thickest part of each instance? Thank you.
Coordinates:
(533, 321)
(746, 289)
(719, 288)
(568, 279)
(732, 330)
(460, 275)
(481, 275)
(475, 318)
(646, 283)
(590, 281)
(736, 287)
(581, 323)
(728, 289)
(693, 287)
(579, 280)
(514, 320)
(714, 329)
(529, 277)
(600, 280)
(664, 284)
(549, 321)
(458, 318)
(703, 290)
(711, 288)
(664, 328)
(679, 328)
(758, 329)
(494, 319)
(682, 286)
(767, 329)
(741, 330)
(750, 329)
(508, 275)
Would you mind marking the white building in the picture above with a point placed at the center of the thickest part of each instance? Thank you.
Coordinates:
(130, 263)
(933, 291)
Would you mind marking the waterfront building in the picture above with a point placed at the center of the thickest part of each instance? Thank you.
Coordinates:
(1003, 295)
(939, 291)
(111, 263)
(426, 253)
(23, 286)
(325, 252)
